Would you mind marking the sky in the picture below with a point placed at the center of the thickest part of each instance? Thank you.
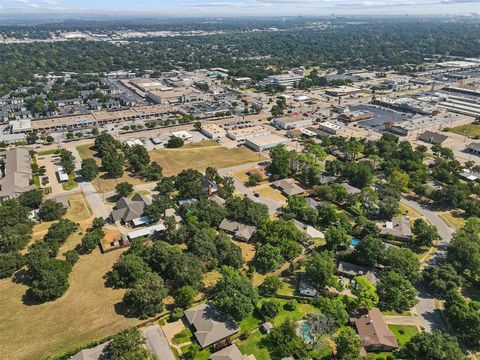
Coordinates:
(242, 7)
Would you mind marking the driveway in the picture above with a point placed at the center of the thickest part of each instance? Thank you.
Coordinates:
(94, 200)
(273, 206)
(157, 343)
(430, 317)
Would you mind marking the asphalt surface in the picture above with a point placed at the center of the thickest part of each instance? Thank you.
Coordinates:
(157, 343)
(430, 317)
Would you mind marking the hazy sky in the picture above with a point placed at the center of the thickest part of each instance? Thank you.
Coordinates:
(243, 7)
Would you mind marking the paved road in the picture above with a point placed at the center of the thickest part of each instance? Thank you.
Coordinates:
(94, 200)
(430, 317)
(157, 343)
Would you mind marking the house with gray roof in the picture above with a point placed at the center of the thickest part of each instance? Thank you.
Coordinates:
(431, 137)
(95, 353)
(473, 148)
(351, 190)
(238, 230)
(18, 173)
(398, 227)
(130, 211)
(350, 270)
(231, 353)
(210, 325)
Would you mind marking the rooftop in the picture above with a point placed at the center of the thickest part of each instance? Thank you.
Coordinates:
(373, 331)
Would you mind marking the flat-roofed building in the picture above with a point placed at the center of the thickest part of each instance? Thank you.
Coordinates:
(262, 143)
(342, 91)
(176, 96)
(473, 148)
(20, 126)
(329, 127)
(292, 122)
(213, 131)
(287, 80)
(18, 173)
(146, 84)
(185, 135)
(248, 133)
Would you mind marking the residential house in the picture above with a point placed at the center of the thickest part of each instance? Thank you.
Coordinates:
(399, 227)
(312, 203)
(208, 186)
(374, 332)
(435, 138)
(350, 270)
(18, 173)
(310, 231)
(306, 287)
(239, 231)
(231, 353)
(130, 211)
(95, 353)
(288, 187)
(210, 325)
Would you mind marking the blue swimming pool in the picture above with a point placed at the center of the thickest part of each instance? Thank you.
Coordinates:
(355, 242)
(306, 332)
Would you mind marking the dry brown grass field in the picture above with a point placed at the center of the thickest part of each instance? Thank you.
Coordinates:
(84, 313)
(201, 155)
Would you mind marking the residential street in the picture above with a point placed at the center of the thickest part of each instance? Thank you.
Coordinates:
(430, 316)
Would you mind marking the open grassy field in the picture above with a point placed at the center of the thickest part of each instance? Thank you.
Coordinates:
(270, 193)
(86, 312)
(453, 220)
(101, 183)
(472, 130)
(201, 155)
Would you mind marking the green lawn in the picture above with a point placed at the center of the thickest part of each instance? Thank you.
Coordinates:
(472, 129)
(394, 313)
(182, 337)
(249, 323)
(201, 355)
(403, 332)
(47, 152)
(252, 346)
(299, 313)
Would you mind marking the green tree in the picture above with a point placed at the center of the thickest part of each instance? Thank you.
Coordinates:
(50, 281)
(67, 160)
(174, 142)
(145, 299)
(283, 342)
(441, 279)
(370, 251)
(51, 210)
(364, 290)
(423, 233)
(113, 163)
(128, 270)
(31, 199)
(270, 285)
(348, 344)
(432, 346)
(234, 294)
(280, 165)
(320, 268)
(334, 309)
(129, 344)
(396, 293)
(270, 308)
(336, 236)
(89, 169)
(403, 261)
(9, 263)
(268, 257)
(184, 297)
(124, 189)
(464, 250)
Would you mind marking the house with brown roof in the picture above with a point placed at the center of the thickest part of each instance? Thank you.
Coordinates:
(210, 325)
(130, 211)
(374, 332)
(288, 187)
(239, 231)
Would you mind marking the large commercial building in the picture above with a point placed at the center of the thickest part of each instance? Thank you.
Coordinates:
(287, 80)
(247, 133)
(265, 142)
(291, 122)
(418, 124)
(213, 131)
(329, 127)
(18, 173)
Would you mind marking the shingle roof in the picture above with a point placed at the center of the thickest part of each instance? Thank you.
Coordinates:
(18, 173)
(91, 354)
(229, 353)
(373, 331)
(433, 137)
(237, 229)
(288, 187)
(129, 209)
(210, 324)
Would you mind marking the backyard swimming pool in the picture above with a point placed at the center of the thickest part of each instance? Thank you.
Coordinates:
(355, 242)
(306, 332)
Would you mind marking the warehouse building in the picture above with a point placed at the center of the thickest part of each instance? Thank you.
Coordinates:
(329, 127)
(213, 131)
(265, 142)
(247, 133)
(291, 122)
